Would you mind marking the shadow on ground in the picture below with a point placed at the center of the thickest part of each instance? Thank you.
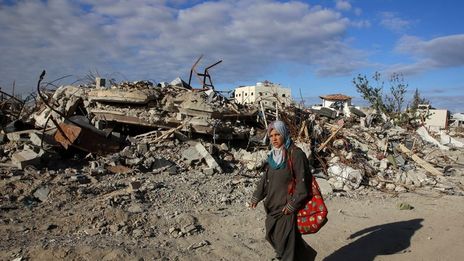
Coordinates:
(378, 240)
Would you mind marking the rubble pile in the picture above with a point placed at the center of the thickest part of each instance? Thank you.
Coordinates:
(124, 127)
(134, 162)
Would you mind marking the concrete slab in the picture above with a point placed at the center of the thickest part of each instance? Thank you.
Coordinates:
(24, 158)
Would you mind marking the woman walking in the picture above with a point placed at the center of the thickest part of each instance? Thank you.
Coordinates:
(281, 206)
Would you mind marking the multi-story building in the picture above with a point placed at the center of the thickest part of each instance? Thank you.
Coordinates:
(268, 93)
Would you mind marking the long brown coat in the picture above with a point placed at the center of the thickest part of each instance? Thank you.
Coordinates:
(281, 230)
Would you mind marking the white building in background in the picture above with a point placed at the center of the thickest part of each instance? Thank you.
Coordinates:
(434, 119)
(268, 93)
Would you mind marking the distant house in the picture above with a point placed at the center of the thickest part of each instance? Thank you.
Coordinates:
(457, 120)
(267, 93)
(339, 102)
(434, 119)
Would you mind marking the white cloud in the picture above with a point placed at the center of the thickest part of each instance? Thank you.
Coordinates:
(342, 5)
(361, 24)
(441, 52)
(392, 22)
(144, 39)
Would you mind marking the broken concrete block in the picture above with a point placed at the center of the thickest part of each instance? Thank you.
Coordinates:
(424, 134)
(400, 189)
(191, 154)
(208, 158)
(383, 164)
(253, 160)
(445, 139)
(324, 185)
(142, 148)
(208, 171)
(82, 179)
(119, 96)
(132, 162)
(224, 147)
(127, 152)
(3, 138)
(135, 208)
(417, 177)
(346, 174)
(159, 163)
(21, 136)
(42, 193)
(134, 185)
(390, 186)
(305, 147)
(25, 158)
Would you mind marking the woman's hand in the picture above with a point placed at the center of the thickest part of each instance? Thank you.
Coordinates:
(253, 205)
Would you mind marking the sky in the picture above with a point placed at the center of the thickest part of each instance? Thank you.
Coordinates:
(313, 47)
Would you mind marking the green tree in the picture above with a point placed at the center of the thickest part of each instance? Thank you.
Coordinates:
(398, 88)
(373, 92)
(416, 100)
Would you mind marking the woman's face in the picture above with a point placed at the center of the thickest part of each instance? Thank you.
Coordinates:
(277, 140)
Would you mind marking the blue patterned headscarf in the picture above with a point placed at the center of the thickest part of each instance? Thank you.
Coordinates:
(277, 157)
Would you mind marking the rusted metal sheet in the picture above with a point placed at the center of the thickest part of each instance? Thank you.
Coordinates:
(85, 139)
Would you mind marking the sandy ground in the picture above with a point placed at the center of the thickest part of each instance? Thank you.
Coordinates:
(370, 227)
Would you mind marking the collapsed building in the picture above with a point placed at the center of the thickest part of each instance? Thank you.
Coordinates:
(123, 127)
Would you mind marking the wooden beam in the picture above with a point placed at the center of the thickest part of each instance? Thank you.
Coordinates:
(424, 164)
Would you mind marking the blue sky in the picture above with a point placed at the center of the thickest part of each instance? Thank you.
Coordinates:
(317, 47)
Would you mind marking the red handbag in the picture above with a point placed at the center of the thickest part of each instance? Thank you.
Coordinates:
(313, 215)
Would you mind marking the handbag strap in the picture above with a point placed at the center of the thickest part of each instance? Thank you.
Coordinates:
(292, 185)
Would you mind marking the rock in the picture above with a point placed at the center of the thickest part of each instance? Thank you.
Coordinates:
(198, 245)
(417, 177)
(173, 230)
(334, 160)
(400, 189)
(373, 182)
(383, 164)
(400, 160)
(133, 161)
(338, 185)
(162, 163)
(224, 147)
(208, 171)
(324, 185)
(82, 179)
(390, 186)
(339, 143)
(137, 233)
(127, 152)
(135, 208)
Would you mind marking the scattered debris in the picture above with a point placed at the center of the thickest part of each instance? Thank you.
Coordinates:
(174, 149)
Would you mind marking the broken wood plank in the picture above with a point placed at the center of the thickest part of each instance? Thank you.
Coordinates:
(329, 139)
(424, 164)
(163, 136)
